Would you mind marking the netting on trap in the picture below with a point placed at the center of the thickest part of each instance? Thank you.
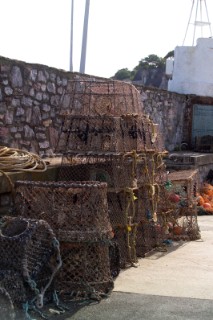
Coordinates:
(181, 190)
(122, 211)
(7, 311)
(119, 171)
(77, 211)
(114, 258)
(29, 259)
(101, 97)
(136, 221)
(86, 270)
(150, 235)
(133, 182)
(125, 237)
(109, 134)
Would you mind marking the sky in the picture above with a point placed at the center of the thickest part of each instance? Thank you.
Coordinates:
(120, 32)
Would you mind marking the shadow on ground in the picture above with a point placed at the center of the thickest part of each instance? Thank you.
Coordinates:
(162, 251)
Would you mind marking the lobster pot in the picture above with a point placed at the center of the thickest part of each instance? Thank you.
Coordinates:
(150, 169)
(77, 211)
(133, 205)
(15, 286)
(85, 272)
(146, 201)
(29, 252)
(148, 216)
(6, 305)
(149, 236)
(106, 97)
(141, 134)
(118, 171)
(125, 237)
(122, 206)
(114, 258)
(90, 133)
(185, 183)
(109, 134)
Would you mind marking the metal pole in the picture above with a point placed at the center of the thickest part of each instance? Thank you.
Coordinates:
(71, 36)
(84, 38)
(195, 22)
(210, 29)
(188, 22)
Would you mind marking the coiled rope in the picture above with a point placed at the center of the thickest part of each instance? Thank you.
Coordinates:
(19, 160)
(16, 160)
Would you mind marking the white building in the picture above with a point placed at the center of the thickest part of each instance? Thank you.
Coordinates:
(192, 69)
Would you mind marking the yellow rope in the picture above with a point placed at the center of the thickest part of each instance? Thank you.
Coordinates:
(130, 200)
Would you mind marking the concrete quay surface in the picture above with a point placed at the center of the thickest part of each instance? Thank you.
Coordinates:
(174, 285)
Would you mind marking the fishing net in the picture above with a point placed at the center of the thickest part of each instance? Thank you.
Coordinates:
(29, 259)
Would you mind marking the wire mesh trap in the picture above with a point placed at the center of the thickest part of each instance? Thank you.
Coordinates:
(184, 187)
(102, 97)
(115, 170)
(114, 258)
(7, 311)
(29, 260)
(86, 270)
(150, 235)
(109, 134)
(128, 202)
(76, 211)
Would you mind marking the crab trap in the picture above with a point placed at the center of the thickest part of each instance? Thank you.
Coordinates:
(183, 191)
(77, 211)
(30, 259)
(116, 170)
(6, 305)
(101, 97)
(86, 270)
(109, 134)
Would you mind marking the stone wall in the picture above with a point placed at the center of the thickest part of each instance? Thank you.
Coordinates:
(169, 111)
(34, 100)
(30, 102)
(34, 97)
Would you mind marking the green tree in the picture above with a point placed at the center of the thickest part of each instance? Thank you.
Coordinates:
(170, 54)
(122, 74)
(151, 61)
(150, 68)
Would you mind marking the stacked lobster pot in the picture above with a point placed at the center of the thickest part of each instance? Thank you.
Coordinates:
(106, 137)
(29, 260)
(78, 214)
(182, 191)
